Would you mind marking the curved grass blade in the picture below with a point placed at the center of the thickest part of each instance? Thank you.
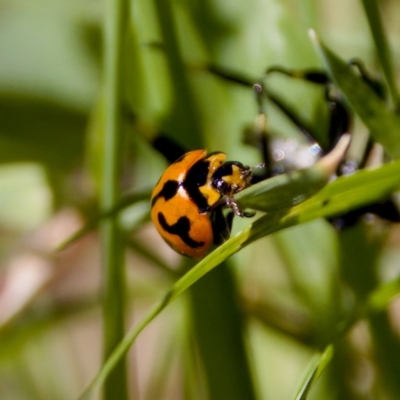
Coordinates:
(317, 365)
(283, 191)
(378, 300)
(347, 193)
(383, 124)
(287, 190)
(341, 195)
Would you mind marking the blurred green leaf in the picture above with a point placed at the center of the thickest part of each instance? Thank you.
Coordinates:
(25, 198)
(33, 129)
(47, 58)
(380, 298)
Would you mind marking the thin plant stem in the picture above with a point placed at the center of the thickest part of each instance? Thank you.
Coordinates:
(116, 12)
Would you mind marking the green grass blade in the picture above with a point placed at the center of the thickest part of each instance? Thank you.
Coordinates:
(383, 124)
(287, 190)
(340, 196)
(184, 113)
(382, 47)
(121, 350)
(317, 365)
(378, 300)
(116, 12)
(220, 336)
(382, 296)
(283, 191)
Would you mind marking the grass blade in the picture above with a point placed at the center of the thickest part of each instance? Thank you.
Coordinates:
(317, 365)
(382, 47)
(116, 12)
(378, 300)
(341, 195)
(219, 329)
(383, 124)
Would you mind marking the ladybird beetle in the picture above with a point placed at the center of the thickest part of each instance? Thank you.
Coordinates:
(187, 195)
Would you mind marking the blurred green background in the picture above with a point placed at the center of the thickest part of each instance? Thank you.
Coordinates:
(250, 329)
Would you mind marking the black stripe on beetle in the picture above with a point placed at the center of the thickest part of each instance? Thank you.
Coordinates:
(196, 178)
(180, 228)
(168, 191)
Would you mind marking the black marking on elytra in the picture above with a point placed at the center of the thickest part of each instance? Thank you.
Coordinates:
(168, 191)
(195, 178)
(180, 228)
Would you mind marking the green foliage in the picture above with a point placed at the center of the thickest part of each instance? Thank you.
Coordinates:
(288, 307)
